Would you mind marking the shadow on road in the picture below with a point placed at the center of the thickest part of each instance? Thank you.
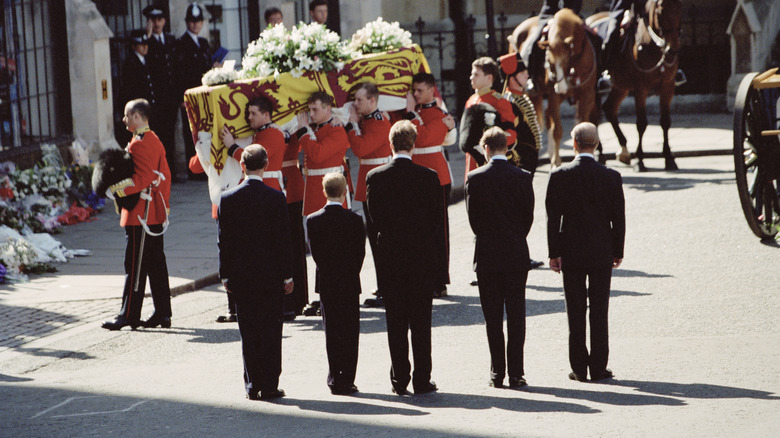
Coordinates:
(694, 390)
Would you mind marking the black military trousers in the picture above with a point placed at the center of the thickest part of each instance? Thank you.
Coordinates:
(153, 266)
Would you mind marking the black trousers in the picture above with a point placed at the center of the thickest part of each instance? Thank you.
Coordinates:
(499, 291)
(408, 307)
(582, 287)
(259, 314)
(152, 266)
(299, 298)
(163, 123)
(341, 321)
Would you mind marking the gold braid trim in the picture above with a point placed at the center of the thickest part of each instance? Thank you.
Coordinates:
(529, 114)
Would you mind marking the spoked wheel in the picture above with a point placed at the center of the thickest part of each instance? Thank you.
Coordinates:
(754, 156)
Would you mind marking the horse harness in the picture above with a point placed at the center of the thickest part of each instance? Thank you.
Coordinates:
(572, 79)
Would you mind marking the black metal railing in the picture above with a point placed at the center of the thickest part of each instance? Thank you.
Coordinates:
(34, 79)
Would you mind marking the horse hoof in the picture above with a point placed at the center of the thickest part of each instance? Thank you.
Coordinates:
(640, 167)
(670, 164)
(625, 158)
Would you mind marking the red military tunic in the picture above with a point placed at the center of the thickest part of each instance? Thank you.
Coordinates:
(292, 172)
(271, 137)
(370, 142)
(148, 155)
(428, 149)
(196, 167)
(324, 146)
(504, 108)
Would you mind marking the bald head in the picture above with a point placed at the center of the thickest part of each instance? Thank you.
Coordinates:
(586, 137)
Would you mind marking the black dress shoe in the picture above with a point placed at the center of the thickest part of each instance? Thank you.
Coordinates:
(346, 390)
(400, 391)
(426, 388)
(312, 309)
(577, 377)
(474, 283)
(253, 396)
(606, 374)
(228, 317)
(535, 264)
(496, 383)
(154, 321)
(119, 322)
(517, 382)
(269, 395)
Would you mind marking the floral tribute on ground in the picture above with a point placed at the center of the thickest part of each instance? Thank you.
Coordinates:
(35, 202)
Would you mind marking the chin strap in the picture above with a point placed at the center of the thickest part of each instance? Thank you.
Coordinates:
(146, 196)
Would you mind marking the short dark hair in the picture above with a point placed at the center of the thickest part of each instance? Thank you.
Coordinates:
(254, 157)
(372, 92)
(322, 96)
(262, 103)
(424, 78)
(271, 11)
(494, 139)
(314, 3)
(402, 136)
(140, 107)
(488, 66)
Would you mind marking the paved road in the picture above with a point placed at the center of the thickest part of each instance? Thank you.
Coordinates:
(694, 343)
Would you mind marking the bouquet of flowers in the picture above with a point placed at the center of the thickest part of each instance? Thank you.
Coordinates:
(17, 255)
(306, 47)
(219, 76)
(380, 36)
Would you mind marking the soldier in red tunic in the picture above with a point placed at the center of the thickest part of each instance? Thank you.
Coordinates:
(152, 177)
(484, 72)
(324, 146)
(432, 124)
(267, 134)
(368, 132)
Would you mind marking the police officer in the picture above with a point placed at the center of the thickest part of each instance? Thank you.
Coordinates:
(193, 59)
(160, 57)
(136, 78)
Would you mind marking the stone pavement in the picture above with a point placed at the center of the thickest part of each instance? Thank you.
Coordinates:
(87, 290)
(693, 336)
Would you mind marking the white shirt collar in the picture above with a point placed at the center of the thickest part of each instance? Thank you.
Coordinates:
(334, 203)
(194, 37)
(586, 154)
(159, 37)
(254, 177)
(402, 155)
(141, 58)
(501, 157)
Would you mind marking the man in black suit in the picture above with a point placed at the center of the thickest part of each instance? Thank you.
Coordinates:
(255, 265)
(161, 46)
(338, 244)
(586, 228)
(500, 205)
(405, 210)
(193, 59)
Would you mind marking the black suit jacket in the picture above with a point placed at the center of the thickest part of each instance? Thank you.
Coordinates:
(338, 245)
(191, 62)
(255, 250)
(161, 61)
(137, 80)
(405, 210)
(586, 220)
(500, 205)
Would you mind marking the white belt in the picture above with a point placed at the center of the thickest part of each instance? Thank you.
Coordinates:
(428, 150)
(321, 172)
(373, 161)
(290, 163)
(273, 174)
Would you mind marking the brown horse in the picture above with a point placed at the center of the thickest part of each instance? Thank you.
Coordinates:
(650, 66)
(572, 74)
